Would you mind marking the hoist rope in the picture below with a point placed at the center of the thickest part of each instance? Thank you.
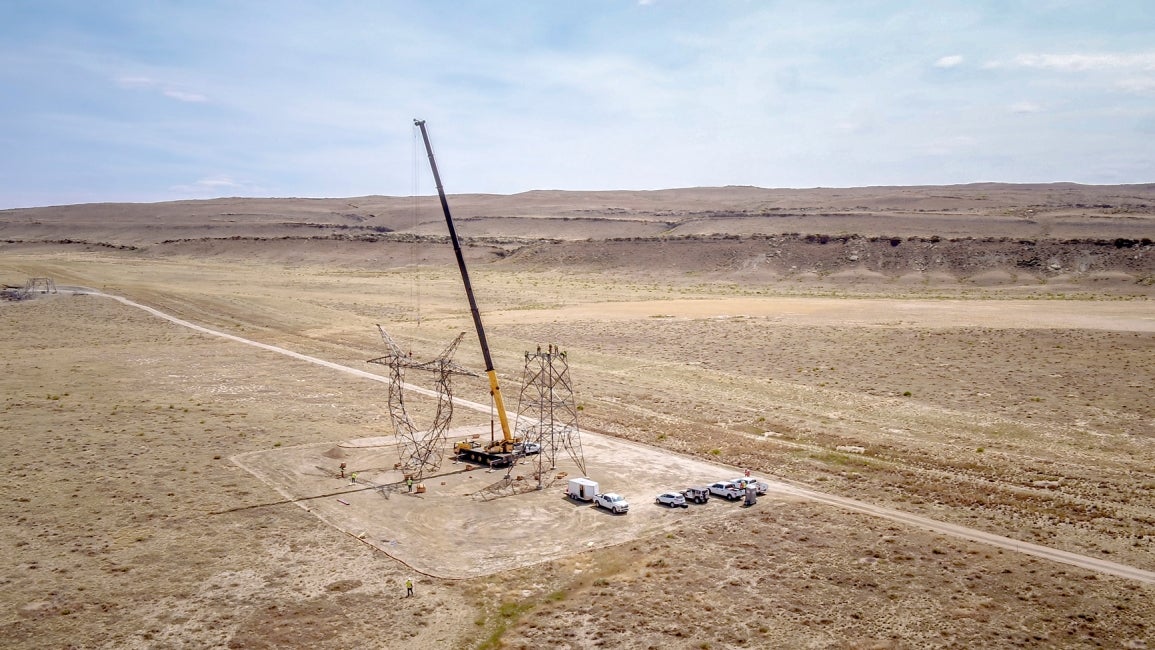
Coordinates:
(414, 244)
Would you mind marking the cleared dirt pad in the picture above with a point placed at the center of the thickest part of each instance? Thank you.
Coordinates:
(453, 530)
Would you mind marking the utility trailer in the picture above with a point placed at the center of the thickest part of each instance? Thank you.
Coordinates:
(582, 489)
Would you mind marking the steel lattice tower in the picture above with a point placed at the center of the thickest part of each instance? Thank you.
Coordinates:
(420, 451)
(34, 285)
(546, 411)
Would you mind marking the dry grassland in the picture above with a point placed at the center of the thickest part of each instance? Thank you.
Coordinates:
(1019, 410)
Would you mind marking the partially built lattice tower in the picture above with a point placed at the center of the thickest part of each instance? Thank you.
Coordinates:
(420, 450)
(42, 285)
(547, 410)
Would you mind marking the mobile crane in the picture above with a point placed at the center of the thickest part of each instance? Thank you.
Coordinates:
(498, 453)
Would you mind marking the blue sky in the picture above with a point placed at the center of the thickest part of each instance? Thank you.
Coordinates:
(163, 100)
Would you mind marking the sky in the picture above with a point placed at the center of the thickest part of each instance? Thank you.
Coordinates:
(158, 100)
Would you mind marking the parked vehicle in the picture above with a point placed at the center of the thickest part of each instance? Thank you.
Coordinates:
(728, 490)
(672, 499)
(615, 503)
(760, 486)
(526, 448)
(697, 494)
(582, 489)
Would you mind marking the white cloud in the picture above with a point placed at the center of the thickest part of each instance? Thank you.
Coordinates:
(217, 182)
(135, 82)
(1139, 85)
(949, 146)
(166, 89)
(949, 61)
(213, 186)
(183, 96)
(1083, 62)
(1025, 107)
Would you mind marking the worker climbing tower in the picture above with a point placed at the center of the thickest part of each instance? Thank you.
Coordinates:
(420, 451)
(547, 412)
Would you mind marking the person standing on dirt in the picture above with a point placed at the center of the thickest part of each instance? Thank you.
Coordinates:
(408, 587)
(352, 478)
(409, 482)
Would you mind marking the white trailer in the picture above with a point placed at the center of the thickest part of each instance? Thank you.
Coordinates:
(582, 489)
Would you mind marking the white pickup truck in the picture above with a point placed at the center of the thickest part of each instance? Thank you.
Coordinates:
(615, 503)
(760, 486)
(728, 490)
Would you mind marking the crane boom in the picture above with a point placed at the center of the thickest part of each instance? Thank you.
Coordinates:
(495, 390)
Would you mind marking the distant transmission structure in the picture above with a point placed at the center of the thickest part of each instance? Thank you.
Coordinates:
(546, 412)
(42, 285)
(420, 451)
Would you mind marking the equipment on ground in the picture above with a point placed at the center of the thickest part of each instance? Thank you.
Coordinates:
(32, 287)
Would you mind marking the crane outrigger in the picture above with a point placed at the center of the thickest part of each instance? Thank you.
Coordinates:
(499, 452)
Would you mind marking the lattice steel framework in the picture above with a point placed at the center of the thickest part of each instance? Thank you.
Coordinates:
(547, 412)
(420, 451)
(43, 285)
(33, 286)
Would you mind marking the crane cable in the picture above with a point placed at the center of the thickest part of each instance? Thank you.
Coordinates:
(414, 244)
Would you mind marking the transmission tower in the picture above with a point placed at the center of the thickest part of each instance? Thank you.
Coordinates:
(420, 451)
(546, 412)
(38, 285)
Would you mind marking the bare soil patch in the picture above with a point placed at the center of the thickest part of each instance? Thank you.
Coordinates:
(459, 524)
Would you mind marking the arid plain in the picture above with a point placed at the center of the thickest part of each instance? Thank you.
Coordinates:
(979, 355)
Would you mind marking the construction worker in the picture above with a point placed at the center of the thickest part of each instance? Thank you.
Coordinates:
(353, 478)
(409, 482)
(408, 587)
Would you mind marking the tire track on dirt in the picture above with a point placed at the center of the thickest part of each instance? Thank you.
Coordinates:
(272, 348)
(962, 532)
